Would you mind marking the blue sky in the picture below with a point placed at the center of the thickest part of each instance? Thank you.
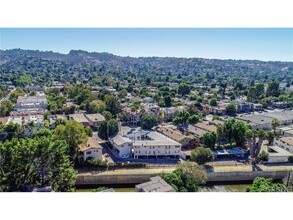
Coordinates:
(274, 44)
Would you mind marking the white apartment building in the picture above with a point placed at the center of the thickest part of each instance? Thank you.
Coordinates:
(139, 143)
(30, 105)
(285, 142)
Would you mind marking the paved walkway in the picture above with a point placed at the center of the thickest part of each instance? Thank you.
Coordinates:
(159, 170)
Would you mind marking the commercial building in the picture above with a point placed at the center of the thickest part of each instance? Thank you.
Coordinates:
(156, 184)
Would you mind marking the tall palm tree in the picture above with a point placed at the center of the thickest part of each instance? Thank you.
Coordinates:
(161, 116)
(249, 136)
(261, 135)
(108, 117)
(142, 113)
(220, 133)
(274, 124)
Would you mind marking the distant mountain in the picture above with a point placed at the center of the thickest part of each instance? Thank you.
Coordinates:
(166, 64)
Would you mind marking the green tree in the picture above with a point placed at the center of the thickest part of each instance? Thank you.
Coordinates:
(183, 89)
(273, 89)
(74, 134)
(186, 178)
(112, 104)
(36, 162)
(270, 136)
(122, 93)
(193, 119)
(260, 89)
(231, 109)
(167, 101)
(6, 107)
(220, 133)
(96, 106)
(89, 132)
(252, 94)
(228, 130)
(33, 93)
(239, 133)
(261, 184)
(201, 155)
(111, 126)
(210, 139)
(264, 156)
(149, 121)
(213, 102)
(274, 124)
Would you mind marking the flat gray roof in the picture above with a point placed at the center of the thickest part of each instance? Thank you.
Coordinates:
(256, 119)
(278, 151)
(156, 184)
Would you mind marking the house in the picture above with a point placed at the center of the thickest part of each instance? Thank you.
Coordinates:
(216, 110)
(32, 124)
(52, 120)
(80, 118)
(280, 105)
(133, 116)
(4, 120)
(243, 106)
(95, 119)
(35, 88)
(92, 149)
(156, 184)
(257, 107)
(217, 122)
(144, 143)
(170, 111)
(187, 141)
(207, 127)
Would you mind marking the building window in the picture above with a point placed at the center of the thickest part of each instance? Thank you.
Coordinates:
(88, 152)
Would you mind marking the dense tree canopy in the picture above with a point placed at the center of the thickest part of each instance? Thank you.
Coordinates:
(74, 134)
(36, 162)
(265, 185)
(201, 155)
(149, 121)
